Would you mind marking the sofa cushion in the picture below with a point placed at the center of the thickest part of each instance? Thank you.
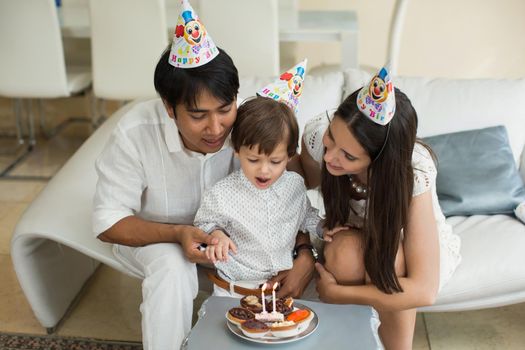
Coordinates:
(476, 172)
(319, 94)
(491, 269)
(446, 105)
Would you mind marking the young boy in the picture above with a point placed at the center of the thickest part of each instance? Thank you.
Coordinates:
(257, 211)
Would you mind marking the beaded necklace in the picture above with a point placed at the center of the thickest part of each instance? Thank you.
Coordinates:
(360, 189)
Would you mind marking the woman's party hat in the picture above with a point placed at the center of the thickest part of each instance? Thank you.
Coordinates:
(377, 99)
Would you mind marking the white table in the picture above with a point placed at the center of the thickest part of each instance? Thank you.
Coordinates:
(311, 26)
(323, 26)
(340, 327)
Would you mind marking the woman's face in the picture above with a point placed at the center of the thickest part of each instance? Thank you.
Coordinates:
(344, 154)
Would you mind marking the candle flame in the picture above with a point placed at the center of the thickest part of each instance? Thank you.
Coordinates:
(263, 288)
(276, 284)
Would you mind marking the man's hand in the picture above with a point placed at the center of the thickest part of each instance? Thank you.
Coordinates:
(191, 240)
(294, 281)
(325, 284)
(220, 250)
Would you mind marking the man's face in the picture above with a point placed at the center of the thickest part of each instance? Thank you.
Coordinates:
(204, 127)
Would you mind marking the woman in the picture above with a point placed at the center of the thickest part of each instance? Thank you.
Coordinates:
(388, 244)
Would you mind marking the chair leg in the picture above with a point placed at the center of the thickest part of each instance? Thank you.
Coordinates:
(20, 108)
(103, 106)
(51, 330)
(51, 132)
(17, 109)
(42, 121)
(99, 111)
(31, 123)
(91, 107)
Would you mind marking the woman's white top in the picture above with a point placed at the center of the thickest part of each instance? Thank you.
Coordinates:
(425, 173)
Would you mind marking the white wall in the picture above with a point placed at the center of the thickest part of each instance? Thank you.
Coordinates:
(445, 38)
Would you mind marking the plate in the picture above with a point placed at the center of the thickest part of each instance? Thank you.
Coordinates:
(273, 340)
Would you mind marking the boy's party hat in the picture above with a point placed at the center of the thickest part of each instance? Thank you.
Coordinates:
(288, 88)
(192, 46)
(377, 99)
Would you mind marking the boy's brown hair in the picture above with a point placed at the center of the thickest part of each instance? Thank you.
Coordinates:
(265, 122)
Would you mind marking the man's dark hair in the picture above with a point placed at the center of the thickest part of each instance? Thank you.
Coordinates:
(177, 86)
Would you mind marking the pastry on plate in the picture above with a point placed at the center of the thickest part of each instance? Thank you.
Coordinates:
(252, 302)
(254, 328)
(282, 305)
(238, 315)
(284, 329)
(302, 317)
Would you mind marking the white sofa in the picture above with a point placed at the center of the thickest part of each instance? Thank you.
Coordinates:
(54, 251)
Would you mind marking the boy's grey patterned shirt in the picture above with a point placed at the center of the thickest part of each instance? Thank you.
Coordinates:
(263, 224)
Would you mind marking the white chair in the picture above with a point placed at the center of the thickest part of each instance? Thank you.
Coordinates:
(248, 30)
(127, 39)
(55, 254)
(32, 64)
(394, 37)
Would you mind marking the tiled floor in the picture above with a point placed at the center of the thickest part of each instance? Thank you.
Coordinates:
(108, 308)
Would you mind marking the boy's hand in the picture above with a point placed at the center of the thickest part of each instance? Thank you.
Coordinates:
(329, 234)
(191, 240)
(219, 251)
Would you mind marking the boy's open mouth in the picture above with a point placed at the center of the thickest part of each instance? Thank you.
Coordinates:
(261, 180)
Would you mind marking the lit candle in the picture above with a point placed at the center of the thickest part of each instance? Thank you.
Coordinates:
(262, 298)
(273, 296)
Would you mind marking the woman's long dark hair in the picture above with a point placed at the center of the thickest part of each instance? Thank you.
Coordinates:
(390, 183)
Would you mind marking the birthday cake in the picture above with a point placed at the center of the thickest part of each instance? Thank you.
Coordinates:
(259, 317)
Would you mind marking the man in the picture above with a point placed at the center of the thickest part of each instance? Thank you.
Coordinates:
(161, 157)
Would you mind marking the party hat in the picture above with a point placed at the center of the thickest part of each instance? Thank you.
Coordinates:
(377, 99)
(192, 46)
(288, 88)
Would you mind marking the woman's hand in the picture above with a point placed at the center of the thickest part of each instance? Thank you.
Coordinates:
(326, 285)
(329, 234)
(219, 251)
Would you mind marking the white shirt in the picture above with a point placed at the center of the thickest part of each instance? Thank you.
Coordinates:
(425, 174)
(145, 170)
(263, 224)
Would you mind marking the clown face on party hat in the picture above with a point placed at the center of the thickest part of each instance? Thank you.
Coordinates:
(288, 88)
(192, 46)
(377, 99)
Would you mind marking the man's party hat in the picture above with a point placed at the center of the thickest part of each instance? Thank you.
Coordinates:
(192, 45)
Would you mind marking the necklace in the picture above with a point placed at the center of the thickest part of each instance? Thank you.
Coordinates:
(358, 187)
